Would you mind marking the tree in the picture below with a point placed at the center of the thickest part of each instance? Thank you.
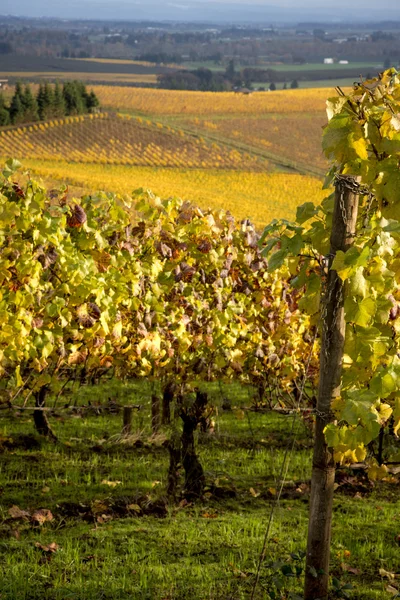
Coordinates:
(272, 87)
(230, 72)
(59, 102)
(294, 85)
(17, 106)
(4, 114)
(92, 102)
(30, 105)
(74, 103)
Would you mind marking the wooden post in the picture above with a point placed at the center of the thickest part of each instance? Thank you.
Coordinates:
(168, 396)
(127, 420)
(333, 337)
(155, 414)
(39, 417)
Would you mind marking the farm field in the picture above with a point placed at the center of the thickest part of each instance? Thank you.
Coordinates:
(159, 375)
(171, 102)
(255, 155)
(116, 537)
(118, 139)
(263, 196)
(294, 137)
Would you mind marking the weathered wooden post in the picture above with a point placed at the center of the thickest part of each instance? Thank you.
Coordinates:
(332, 345)
(127, 420)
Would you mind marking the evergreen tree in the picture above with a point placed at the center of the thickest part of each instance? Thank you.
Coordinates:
(294, 85)
(59, 102)
(4, 114)
(41, 102)
(48, 97)
(272, 87)
(230, 72)
(74, 103)
(92, 102)
(17, 106)
(30, 105)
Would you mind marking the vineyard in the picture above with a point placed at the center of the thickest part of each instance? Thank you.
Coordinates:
(222, 163)
(166, 102)
(168, 370)
(109, 139)
(241, 192)
(292, 137)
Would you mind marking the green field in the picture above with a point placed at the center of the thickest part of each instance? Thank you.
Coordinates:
(117, 536)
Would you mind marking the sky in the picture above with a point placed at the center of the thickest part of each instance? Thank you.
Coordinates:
(207, 10)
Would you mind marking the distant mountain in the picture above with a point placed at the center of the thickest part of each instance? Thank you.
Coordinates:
(192, 10)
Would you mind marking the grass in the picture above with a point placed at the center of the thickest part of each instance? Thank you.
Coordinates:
(344, 82)
(206, 550)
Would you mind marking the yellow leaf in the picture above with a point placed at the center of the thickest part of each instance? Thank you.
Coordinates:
(110, 483)
(254, 493)
(377, 472)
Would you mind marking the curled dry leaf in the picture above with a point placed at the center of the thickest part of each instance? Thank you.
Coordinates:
(16, 513)
(78, 217)
(49, 548)
(42, 516)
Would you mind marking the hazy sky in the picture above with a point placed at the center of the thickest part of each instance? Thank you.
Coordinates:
(207, 10)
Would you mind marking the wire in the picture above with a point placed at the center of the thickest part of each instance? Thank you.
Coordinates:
(284, 469)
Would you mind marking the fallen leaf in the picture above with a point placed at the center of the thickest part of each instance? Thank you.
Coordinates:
(16, 513)
(42, 516)
(254, 493)
(392, 590)
(110, 483)
(103, 518)
(350, 569)
(387, 574)
(49, 549)
(135, 507)
(207, 515)
(98, 507)
(45, 490)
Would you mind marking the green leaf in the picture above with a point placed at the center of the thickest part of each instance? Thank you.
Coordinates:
(347, 263)
(277, 260)
(305, 212)
(360, 313)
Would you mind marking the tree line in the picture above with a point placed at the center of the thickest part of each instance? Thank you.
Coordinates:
(51, 101)
(205, 80)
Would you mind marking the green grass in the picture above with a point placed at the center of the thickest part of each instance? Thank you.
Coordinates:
(320, 83)
(206, 550)
(319, 66)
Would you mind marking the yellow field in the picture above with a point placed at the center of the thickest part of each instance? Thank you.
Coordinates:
(171, 102)
(260, 196)
(294, 137)
(85, 77)
(117, 139)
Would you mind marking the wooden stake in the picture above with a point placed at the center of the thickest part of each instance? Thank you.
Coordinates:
(127, 420)
(333, 337)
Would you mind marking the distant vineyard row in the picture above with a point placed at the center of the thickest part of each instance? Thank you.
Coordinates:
(117, 139)
(171, 102)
